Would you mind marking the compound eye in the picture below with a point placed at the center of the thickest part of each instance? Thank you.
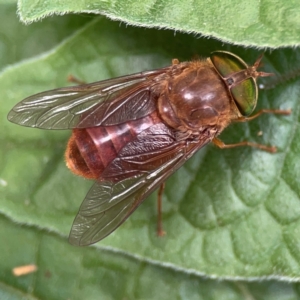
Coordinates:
(245, 96)
(227, 63)
(245, 92)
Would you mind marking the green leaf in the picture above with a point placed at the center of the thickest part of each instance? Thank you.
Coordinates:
(219, 212)
(256, 23)
(67, 272)
(230, 214)
(18, 42)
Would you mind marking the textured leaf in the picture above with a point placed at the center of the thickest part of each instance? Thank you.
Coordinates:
(19, 42)
(67, 272)
(257, 23)
(230, 214)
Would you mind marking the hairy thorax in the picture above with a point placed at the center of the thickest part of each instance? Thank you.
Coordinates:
(196, 100)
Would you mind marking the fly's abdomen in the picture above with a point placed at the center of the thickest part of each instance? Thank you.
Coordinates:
(90, 150)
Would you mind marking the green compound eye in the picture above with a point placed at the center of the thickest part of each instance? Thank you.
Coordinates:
(245, 91)
(245, 96)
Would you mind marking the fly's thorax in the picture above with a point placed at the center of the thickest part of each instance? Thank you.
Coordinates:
(196, 98)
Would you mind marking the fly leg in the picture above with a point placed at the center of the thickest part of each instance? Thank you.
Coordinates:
(73, 79)
(264, 111)
(222, 145)
(175, 61)
(271, 149)
(160, 231)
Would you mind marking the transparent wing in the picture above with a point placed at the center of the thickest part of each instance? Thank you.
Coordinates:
(107, 102)
(140, 168)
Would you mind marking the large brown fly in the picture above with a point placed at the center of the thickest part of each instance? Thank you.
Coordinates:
(131, 133)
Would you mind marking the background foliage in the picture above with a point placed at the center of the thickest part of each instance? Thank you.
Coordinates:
(230, 215)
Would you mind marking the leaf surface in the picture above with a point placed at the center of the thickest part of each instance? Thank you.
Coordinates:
(228, 213)
(252, 23)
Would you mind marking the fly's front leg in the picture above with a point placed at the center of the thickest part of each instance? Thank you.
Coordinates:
(264, 111)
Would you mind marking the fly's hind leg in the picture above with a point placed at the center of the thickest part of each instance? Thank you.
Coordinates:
(160, 231)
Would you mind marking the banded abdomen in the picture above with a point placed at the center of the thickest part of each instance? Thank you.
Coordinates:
(90, 150)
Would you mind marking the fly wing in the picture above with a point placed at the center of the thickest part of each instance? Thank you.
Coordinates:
(107, 102)
(139, 169)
